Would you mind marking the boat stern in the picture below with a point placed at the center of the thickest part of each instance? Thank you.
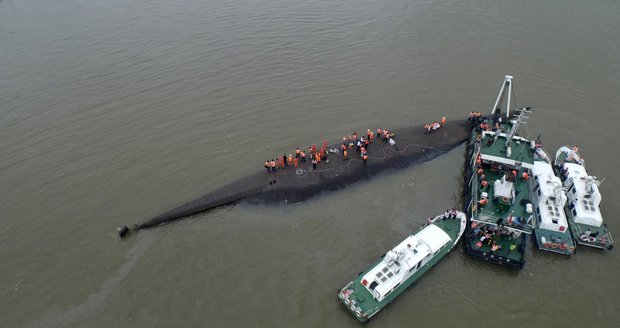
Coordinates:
(347, 295)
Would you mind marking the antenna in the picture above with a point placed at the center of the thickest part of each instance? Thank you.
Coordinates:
(518, 121)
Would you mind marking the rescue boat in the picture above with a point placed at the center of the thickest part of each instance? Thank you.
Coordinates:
(582, 208)
(551, 232)
(395, 271)
(498, 201)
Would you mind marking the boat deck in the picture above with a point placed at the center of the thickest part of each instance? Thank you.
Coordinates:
(554, 241)
(520, 148)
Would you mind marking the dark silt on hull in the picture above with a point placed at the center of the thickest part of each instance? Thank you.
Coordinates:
(289, 185)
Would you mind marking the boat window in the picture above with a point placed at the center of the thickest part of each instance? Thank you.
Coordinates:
(385, 270)
(538, 192)
(373, 285)
(383, 279)
(390, 274)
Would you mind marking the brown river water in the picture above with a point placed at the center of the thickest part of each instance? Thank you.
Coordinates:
(114, 111)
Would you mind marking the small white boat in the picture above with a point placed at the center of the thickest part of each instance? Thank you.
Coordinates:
(582, 209)
(551, 232)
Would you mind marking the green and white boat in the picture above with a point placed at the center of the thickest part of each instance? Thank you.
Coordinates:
(498, 200)
(582, 209)
(396, 270)
(551, 232)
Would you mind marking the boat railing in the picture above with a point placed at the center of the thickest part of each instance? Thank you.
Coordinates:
(474, 178)
(489, 217)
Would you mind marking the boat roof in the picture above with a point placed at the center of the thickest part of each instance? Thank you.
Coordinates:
(551, 209)
(396, 263)
(547, 179)
(584, 196)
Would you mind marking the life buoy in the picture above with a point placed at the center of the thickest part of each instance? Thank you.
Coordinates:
(505, 199)
(591, 239)
(547, 245)
(563, 247)
(583, 238)
(553, 245)
(571, 249)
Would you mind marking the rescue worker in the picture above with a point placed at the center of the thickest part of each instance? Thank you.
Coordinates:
(273, 165)
(443, 121)
(483, 201)
(296, 162)
(290, 160)
(372, 136)
(303, 156)
(345, 153)
(365, 157)
(379, 131)
(267, 166)
(525, 176)
(297, 153)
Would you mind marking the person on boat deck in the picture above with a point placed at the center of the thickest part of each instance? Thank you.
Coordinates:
(589, 233)
(483, 201)
(525, 176)
(513, 246)
(443, 121)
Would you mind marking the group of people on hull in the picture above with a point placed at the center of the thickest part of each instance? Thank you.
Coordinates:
(430, 127)
(316, 156)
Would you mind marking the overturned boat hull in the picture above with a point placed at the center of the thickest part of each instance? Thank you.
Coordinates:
(290, 185)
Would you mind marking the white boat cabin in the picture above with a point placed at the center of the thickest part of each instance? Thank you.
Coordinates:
(583, 195)
(550, 198)
(404, 260)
